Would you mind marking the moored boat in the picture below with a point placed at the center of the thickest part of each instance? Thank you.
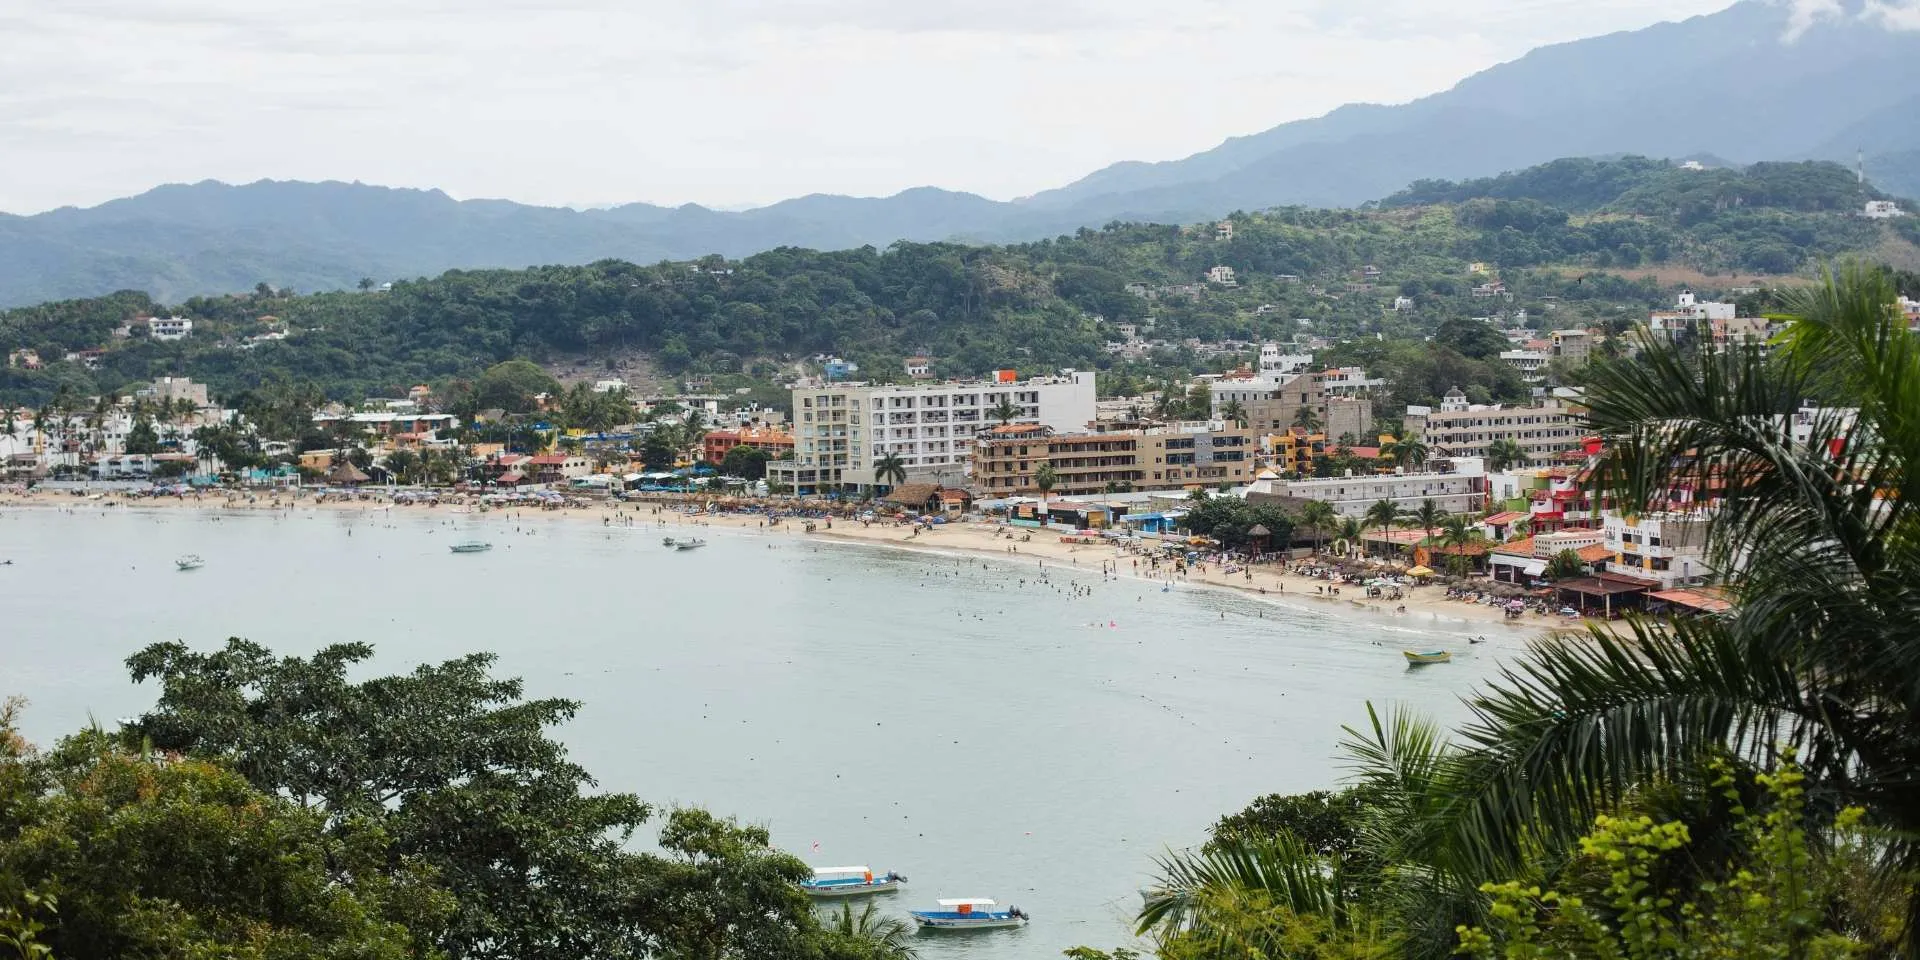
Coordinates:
(850, 882)
(471, 546)
(694, 544)
(1417, 657)
(191, 561)
(969, 913)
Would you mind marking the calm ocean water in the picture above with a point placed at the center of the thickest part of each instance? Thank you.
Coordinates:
(983, 732)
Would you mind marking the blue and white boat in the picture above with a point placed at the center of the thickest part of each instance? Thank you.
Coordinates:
(850, 882)
(969, 913)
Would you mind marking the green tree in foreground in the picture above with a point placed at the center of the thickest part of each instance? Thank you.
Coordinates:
(149, 854)
(458, 773)
(1771, 902)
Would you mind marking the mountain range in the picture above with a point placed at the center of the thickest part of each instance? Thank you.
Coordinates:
(1738, 84)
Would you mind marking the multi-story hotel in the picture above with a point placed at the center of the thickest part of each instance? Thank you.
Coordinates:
(840, 429)
(1465, 430)
(1667, 547)
(1456, 486)
(1175, 456)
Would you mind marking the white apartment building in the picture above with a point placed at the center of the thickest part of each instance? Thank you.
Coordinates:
(1462, 429)
(1456, 486)
(1349, 381)
(841, 429)
(1532, 364)
(1275, 365)
(1688, 312)
(1668, 547)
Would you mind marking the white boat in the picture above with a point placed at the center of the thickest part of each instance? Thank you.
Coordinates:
(191, 561)
(969, 913)
(850, 882)
(471, 546)
(694, 544)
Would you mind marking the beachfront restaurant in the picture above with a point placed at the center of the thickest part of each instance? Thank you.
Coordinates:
(1689, 601)
(1604, 594)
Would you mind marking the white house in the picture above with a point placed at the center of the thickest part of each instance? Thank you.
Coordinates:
(169, 328)
(1222, 275)
(1882, 210)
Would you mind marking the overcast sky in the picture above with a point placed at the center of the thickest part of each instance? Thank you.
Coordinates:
(724, 102)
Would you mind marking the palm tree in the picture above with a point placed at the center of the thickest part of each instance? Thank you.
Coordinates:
(1504, 453)
(1004, 411)
(1347, 539)
(1307, 419)
(1407, 452)
(1457, 531)
(1234, 411)
(884, 937)
(1821, 556)
(890, 470)
(1045, 478)
(1428, 517)
(1241, 896)
(1383, 514)
(1321, 516)
(41, 417)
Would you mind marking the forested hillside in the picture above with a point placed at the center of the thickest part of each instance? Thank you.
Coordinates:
(1562, 239)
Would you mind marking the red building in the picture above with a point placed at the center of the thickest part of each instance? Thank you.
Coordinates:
(714, 448)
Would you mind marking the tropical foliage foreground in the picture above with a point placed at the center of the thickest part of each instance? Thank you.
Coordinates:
(271, 808)
(1746, 785)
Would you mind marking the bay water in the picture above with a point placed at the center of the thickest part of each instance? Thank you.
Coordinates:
(972, 722)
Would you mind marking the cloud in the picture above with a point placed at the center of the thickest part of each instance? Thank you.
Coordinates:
(1803, 15)
(719, 101)
(1894, 14)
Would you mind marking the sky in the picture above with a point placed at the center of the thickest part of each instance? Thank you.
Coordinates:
(722, 102)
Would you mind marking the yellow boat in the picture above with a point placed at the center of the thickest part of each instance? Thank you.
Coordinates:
(1430, 656)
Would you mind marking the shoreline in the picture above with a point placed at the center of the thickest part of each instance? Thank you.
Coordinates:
(1424, 606)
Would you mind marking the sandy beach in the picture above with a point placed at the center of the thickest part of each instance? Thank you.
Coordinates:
(1425, 604)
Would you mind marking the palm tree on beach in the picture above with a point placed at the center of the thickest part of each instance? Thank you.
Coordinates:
(1321, 516)
(890, 470)
(1044, 478)
(1347, 538)
(1457, 531)
(1428, 517)
(1819, 553)
(1383, 515)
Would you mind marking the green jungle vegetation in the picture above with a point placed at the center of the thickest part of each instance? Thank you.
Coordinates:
(1572, 241)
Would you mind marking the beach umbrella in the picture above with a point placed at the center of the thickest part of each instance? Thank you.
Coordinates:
(1420, 571)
